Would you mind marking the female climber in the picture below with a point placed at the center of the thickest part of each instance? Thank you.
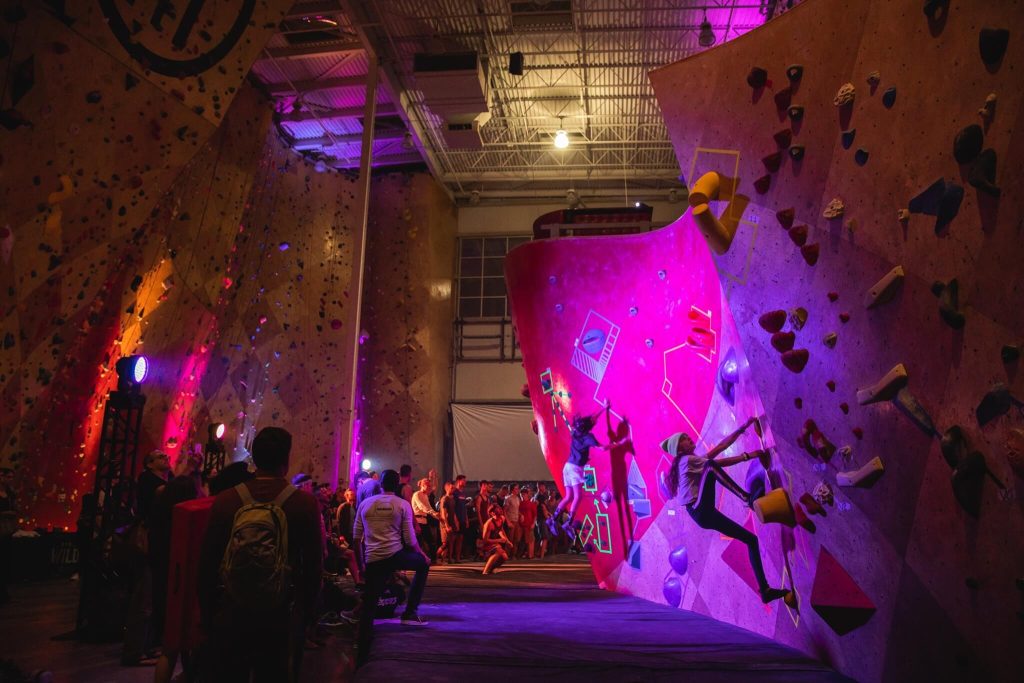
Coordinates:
(692, 478)
(582, 440)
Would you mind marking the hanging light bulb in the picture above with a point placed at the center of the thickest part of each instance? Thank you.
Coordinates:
(561, 137)
(707, 36)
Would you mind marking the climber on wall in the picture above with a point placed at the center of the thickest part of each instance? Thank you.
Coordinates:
(582, 440)
(692, 478)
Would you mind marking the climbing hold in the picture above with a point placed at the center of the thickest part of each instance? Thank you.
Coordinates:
(845, 407)
(823, 494)
(953, 445)
(762, 184)
(757, 77)
(709, 187)
(903, 215)
(1009, 353)
(12, 119)
(996, 402)
(783, 138)
(798, 318)
(798, 234)
(130, 81)
(784, 98)
(93, 96)
(798, 403)
(885, 388)
(833, 296)
(983, 173)
(810, 253)
(23, 79)
(672, 591)
(649, 342)
(988, 110)
(67, 189)
(796, 152)
(912, 408)
(796, 359)
(831, 385)
(817, 445)
(992, 44)
(968, 480)
(885, 289)
(813, 506)
(559, 308)
(940, 199)
(785, 217)
(718, 235)
(949, 303)
(774, 508)
(967, 143)
(783, 341)
(772, 162)
(679, 560)
(830, 340)
(874, 78)
(283, 246)
(889, 98)
(863, 477)
(795, 112)
(844, 317)
(847, 138)
(932, 7)
(861, 156)
(633, 310)
(1015, 452)
(845, 94)
(772, 321)
(794, 72)
(834, 209)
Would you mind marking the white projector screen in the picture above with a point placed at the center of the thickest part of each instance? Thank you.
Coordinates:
(496, 442)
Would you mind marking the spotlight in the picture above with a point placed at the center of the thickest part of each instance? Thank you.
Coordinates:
(214, 455)
(366, 464)
(131, 372)
(216, 431)
(636, 204)
(707, 36)
(515, 63)
(561, 137)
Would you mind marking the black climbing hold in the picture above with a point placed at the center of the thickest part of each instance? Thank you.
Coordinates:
(23, 79)
(757, 78)
(949, 304)
(1010, 353)
(967, 143)
(953, 445)
(992, 44)
(927, 201)
(794, 72)
(940, 199)
(796, 112)
(783, 98)
(932, 7)
(983, 173)
(130, 81)
(796, 152)
(12, 118)
(861, 156)
(93, 96)
(889, 98)
(848, 136)
(949, 205)
(968, 478)
(136, 282)
(997, 402)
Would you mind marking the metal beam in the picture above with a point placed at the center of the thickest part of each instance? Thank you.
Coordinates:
(285, 89)
(411, 157)
(308, 9)
(328, 141)
(343, 113)
(325, 49)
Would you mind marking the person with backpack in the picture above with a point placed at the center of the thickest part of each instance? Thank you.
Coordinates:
(260, 570)
(385, 531)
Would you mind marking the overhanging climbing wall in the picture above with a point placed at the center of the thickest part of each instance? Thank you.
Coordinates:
(874, 207)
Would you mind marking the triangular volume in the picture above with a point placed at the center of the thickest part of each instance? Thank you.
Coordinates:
(837, 598)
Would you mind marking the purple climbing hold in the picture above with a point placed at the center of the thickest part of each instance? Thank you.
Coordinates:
(679, 559)
(672, 590)
(283, 246)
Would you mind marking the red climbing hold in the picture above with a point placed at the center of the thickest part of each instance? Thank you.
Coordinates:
(810, 253)
(858, 432)
(772, 321)
(832, 296)
(798, 402)
(796, 359)
(762, 184)
(772, 162)
(798, 233)
(783, 341)
(785, 217)
(845, 407)
(335, 324)
(831, 385)
(844, 317)
(837, 598)
(783, 138)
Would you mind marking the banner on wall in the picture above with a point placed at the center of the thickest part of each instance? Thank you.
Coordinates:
(496, 442)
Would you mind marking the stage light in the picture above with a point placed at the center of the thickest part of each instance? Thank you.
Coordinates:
(131, 372)
(515, 63)
(707, 36)
(366, 464)
(561, 137)
(216, 431)
(636, 204)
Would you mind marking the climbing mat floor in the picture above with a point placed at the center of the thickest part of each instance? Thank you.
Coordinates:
(549, 621)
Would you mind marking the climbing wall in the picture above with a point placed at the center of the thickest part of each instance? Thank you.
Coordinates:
(407, 311)
(95, 129)
(867, 207)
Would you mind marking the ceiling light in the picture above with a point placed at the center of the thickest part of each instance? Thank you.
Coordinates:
(707, 36)
(561, 137)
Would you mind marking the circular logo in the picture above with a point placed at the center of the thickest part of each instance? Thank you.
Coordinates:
(152, 38)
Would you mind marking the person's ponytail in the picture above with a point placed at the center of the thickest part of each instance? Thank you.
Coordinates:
(673, 474)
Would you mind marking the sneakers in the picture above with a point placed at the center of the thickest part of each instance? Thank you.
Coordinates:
(771, 594)
(413, 619)
(333, 619)
(552, 526)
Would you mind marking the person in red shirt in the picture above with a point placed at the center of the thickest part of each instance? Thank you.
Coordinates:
(247, 640)
(527, 520)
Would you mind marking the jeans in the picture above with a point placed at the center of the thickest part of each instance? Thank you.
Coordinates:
(707, 516)
(376, 577)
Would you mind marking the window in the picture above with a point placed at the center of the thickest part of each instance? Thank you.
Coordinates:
(482, 275)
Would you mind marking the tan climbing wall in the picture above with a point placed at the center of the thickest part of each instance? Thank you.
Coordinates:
(236, 287)
(942, 579)
(91, 139)
(407, 310)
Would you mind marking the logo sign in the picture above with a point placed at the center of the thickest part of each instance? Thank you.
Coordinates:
(179, 39)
